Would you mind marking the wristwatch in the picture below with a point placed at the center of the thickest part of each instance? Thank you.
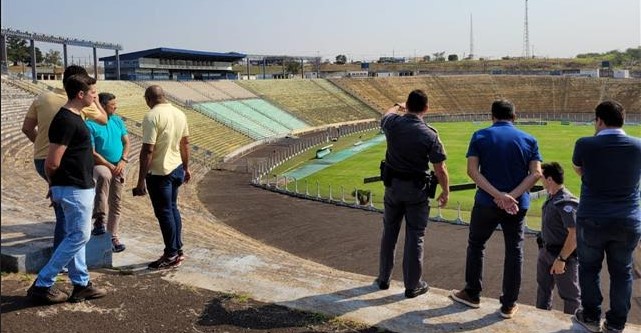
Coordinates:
(560, 258)
(125, 159)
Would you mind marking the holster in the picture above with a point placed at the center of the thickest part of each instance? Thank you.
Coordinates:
(539, 240)
(431, 181)
(386, 176)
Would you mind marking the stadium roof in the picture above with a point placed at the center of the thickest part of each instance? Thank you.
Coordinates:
(168, 53)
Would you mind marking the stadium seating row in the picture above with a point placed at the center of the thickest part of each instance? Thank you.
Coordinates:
(188, 92)
(317, 102)
(474, 93)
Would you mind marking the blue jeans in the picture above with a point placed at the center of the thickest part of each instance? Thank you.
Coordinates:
(615, 239)
(483, 222)
(77, 205)
(163, 192)
(59, 231)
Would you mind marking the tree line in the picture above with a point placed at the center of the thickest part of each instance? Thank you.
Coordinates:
(19, 52)
(629, 57)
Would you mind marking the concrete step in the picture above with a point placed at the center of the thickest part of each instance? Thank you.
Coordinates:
(26, 247)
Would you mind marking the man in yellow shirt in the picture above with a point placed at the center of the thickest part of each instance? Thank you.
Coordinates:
(36, 127)
(164, 166)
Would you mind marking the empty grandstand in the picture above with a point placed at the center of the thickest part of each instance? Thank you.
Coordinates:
(317, 102)
(188, 92)
(473, 94)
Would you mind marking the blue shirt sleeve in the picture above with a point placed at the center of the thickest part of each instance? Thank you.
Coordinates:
(92, 131)
(577, 159)
(536, 154)
(122, 126)
(472, 149)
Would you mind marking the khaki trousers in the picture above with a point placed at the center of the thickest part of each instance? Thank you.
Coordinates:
(108, 198)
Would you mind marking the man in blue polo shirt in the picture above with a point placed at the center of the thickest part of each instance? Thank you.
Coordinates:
(609, 216)
(111, 149)
(505, 163)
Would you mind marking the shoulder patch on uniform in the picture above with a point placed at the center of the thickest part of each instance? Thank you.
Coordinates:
(568, 208)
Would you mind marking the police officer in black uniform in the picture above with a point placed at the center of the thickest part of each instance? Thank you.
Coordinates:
(557, 263)
(411, 145)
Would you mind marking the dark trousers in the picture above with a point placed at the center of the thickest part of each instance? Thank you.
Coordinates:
(163, 192)
(567, 283)
(404, 199)
(483, 222)
(614, 239)
(59, 229)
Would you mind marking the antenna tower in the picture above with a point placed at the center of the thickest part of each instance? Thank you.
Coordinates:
(526, 35)
(471, 56)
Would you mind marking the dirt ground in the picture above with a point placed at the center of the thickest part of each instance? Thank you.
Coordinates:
(173, 308)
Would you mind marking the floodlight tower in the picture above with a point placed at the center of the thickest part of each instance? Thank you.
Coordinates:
(526, 35)
(471, 56)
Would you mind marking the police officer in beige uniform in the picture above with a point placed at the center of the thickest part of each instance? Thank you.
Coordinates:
(411, 145)
(557, 263)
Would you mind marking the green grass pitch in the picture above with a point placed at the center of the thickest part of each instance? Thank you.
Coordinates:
(556, 143)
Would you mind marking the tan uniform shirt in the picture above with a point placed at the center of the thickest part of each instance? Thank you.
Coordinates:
(43, 109)
(163, 126)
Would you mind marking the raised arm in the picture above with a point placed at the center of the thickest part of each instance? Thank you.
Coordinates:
(398, 108)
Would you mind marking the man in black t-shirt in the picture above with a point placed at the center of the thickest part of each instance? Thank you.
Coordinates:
(69, 170)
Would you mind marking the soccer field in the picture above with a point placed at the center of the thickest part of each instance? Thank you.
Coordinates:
(556, 143)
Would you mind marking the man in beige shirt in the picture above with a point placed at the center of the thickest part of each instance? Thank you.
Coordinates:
(164, 166)
(36, 127)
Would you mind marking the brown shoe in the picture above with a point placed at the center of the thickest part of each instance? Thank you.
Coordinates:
(509, 312)
(463, 297)
(81, 293)
(46, 295)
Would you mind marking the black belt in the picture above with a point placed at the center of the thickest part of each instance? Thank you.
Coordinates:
(407, 176)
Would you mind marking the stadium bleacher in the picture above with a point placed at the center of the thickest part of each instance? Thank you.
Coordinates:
(472, 94)
(315, 103)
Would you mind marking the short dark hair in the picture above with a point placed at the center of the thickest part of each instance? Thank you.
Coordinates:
(71, 71)
(77, 83)
(611, 112)
(105, 97)
(503, 109)
(554, 170)
(416, 101)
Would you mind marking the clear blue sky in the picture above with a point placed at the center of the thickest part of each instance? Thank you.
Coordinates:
(361, 29)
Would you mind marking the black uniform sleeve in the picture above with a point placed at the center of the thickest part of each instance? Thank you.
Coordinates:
(567, 211)
(437, 152)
